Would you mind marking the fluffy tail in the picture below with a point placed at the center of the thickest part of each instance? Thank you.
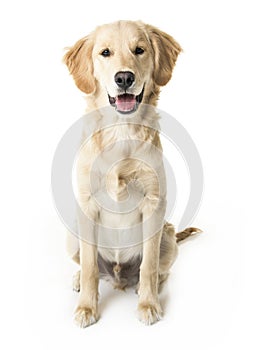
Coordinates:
(188, 232)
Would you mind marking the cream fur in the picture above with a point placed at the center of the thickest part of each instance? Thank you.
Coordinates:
(94, 75)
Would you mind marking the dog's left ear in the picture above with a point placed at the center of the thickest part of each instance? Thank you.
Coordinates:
(166, 51)
(79, 62)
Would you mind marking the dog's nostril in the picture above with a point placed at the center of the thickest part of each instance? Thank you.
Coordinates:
(124, 79)
(129, 81)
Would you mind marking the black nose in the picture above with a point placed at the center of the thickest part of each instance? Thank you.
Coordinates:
(124, 79)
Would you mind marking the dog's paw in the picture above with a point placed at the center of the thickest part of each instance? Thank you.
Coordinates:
(149, 313)
(76, 281)
(85, 316)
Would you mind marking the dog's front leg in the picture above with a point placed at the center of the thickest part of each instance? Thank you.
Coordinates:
(87, 310)
(149, 307)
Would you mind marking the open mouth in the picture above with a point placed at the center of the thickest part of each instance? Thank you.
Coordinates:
(126, 103)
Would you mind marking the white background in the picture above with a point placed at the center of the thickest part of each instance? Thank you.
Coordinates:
(208, 301)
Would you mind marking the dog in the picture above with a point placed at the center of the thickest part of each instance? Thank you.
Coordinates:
(121, 67)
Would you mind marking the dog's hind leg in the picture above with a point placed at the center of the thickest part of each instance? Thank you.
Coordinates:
(73, 250)
(168, 252)
(169, 248)
(72, 247)
(76, 281)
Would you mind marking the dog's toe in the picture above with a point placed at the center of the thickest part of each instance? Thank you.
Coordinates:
(85, 316)
(149, 313)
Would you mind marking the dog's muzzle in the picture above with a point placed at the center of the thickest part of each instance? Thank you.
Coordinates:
(126, 103)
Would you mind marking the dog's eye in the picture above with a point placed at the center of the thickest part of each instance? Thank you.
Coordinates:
(106, 53)
(139, 51)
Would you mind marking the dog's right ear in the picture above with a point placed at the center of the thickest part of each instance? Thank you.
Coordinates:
(79, 62)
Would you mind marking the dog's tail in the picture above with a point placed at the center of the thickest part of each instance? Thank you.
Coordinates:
(188, 232)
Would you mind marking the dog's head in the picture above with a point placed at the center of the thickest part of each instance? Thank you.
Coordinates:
(123, 64)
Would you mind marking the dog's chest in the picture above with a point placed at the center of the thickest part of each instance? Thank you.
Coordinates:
(116, 176)
(119, 166)
(120, 220)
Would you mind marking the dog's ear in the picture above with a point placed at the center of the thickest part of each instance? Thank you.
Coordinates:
(166, 51)
(79, 62)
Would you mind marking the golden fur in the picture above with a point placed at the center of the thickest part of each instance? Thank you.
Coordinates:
(88, 68)
(94, 75)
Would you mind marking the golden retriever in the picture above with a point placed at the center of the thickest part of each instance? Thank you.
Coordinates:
(122, 65)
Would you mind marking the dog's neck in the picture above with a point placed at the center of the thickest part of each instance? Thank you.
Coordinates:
(142, 124)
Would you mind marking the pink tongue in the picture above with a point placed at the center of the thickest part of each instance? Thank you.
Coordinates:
(125, 102)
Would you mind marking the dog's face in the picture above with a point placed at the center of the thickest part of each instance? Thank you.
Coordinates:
(123, 64)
